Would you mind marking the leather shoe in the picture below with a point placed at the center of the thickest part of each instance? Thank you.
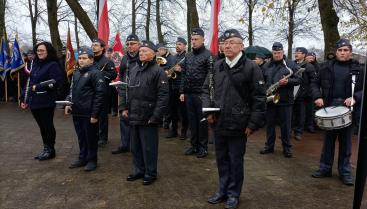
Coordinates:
(183, 135)
(148, 180)
(287, 154)
(202, 154)
(217, 198)
(119, 150)
(266, 151)
(133, 177)
(48, 154)
(298, 137)
(321, 174)
(232, 203)
(347, 180)
(40, 154)
(77, 164)
(91, 166)
(191, 151)
(311, 129)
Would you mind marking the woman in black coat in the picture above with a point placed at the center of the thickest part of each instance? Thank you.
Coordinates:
(40, 96)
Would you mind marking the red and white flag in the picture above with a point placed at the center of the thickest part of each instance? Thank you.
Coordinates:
(103, 24)
(70, 61)
(117, 54)
(213, 33)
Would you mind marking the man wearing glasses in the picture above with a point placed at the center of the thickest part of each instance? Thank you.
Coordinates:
(144, 105)
(107, 67)
(194, 71)
(128, 62)
(239, 92)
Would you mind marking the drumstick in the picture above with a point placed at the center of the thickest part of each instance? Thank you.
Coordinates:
(324, 109)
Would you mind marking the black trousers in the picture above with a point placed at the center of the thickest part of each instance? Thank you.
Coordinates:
(310, 113)
(113, 99)
(198, 127)
(299, 116)
(87, 137)
(283, 115)
(103, 122)
(229, 153)
(144, 147)
(177, 111)
(45, 120)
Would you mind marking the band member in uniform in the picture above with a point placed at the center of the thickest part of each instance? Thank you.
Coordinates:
(195, 68)
(128, 62)
(87, 93)
(238, 89)
(335, 82)
(303, 96)
(177, 108)
(275, 71)
(220, 55)
(145, 105)
(109, 73)
(40, 97)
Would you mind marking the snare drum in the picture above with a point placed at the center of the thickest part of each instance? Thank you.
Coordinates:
(335, 117)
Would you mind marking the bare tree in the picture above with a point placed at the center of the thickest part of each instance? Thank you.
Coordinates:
(34, 14)
(53, 24)
(192, 19)
(2, 18)
(147, 22)
(158, 22)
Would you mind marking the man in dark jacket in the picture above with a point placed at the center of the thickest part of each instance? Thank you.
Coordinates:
(145, 105)
(87, 96)
(335, 82)
(274, 72)
(107, 67)
(128, 62)
(303, 96)
(239, 92)
(195, 70)
(177, 108)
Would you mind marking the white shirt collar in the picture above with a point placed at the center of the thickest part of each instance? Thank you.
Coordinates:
(234, 61)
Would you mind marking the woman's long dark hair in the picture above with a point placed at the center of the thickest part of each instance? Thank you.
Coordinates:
(51, 52)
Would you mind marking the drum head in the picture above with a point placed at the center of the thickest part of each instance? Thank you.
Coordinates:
(332, 111)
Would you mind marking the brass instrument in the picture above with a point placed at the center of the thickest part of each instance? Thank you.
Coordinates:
(171, 73)
(161, 60)
(271, 96)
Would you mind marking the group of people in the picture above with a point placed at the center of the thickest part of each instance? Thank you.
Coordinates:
(161, 89)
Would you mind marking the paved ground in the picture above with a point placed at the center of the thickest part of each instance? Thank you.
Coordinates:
(185, 182)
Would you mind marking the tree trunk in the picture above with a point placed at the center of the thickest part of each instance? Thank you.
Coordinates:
(83, 18)
(250, 28)
(53, 25)
(158, 22)
(2, 19)
(76, 33)
(133, 21)
(34, 17)
(329, 22)
(192, 19)
(291, 10)
(147, 23)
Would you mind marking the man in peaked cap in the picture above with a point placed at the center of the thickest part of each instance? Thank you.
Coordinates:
(194, 71)
(144, 105)
(333, 87)
(107, 67)
(87, 96)
(239, 90)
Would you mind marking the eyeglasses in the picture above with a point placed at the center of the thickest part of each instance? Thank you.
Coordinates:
(131, 43)
(231, 42)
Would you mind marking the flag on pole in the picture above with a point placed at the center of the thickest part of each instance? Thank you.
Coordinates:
(17, 61)
(103, 24)
(117, 54)
(213, 33)
(70, 60)
(4, 59)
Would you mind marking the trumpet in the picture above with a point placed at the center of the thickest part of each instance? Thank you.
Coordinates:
(161, 60)
(171, 72)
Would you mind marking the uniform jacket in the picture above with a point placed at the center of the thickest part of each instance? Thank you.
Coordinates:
(107, 67)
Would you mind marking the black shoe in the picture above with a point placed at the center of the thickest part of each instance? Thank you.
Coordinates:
(133, 177)
(232, 203)
(166, 125)
(321, 174)
(347, 180)
(266, 151)
(298, 137)
(101, 143)
(172, 134)
(183, 135)
(191, 151)
(311, 129)
(48, 154)
(40, 154)
(91, 166)
(148, 180)
(287, 154)
(217, 198)
(120, 150)
(202, 154)
(77, 164)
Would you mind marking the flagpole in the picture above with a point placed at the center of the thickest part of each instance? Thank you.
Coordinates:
(6, 89)
(18, 88)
